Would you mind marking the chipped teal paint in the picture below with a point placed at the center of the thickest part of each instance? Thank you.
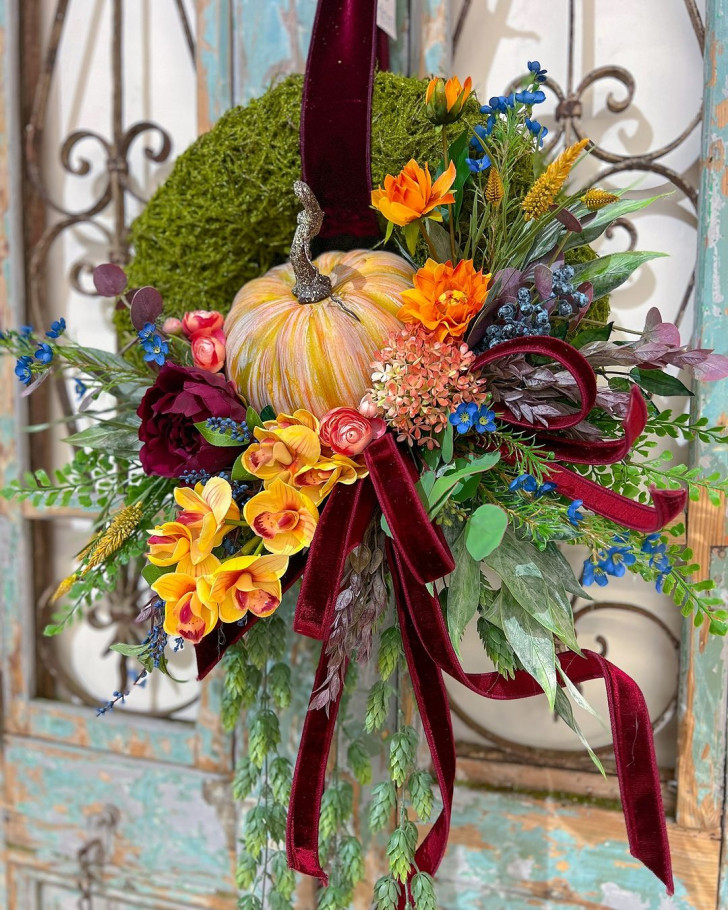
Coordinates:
(520, 865)
(169, 835)
(270, 40)
(214, 57)
(710, 665)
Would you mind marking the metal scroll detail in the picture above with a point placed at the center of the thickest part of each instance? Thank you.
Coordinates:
(108, 215)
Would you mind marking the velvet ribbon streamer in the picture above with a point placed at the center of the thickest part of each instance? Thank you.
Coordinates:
(336, 114)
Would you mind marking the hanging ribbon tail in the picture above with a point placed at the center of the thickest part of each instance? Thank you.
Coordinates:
(336, 115)
(605, 451)
(421, 620)
(309, 780)
(560, 351)
(209, 651)
(667, 504)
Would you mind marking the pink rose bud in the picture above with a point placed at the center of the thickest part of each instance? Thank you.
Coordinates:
(348, 432)
(208, 351)
(367, 407)
(172, 326)
(202, 322)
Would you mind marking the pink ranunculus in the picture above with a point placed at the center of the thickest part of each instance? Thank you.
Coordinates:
(367, 407)
(208, 350)
(172, 326)
(203, 322)
(348, 432)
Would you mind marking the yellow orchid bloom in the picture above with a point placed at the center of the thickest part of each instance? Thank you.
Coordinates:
(283, 517)
(189, 610)
(248, 583)
(299, 418)
(318, 481)
(171, 544)
(205, 511)
(282, 452)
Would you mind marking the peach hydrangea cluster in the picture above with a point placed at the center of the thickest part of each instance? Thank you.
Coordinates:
(417, 382)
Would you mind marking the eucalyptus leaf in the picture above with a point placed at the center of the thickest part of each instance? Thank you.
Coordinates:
(463, 591)
(484, 530)
(122, 443)
(252, 419)
(128, 650)
(608, 272)
(440, 239)
(532, 643)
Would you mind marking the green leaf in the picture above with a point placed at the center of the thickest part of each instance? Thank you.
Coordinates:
(216, 438)
(533, 644)
(458, 152)
(239, 471)
(566, 713)
(267, 413)
(606, 216)
(440, 239)
(411, 233)
(447, 443)
(608, 272)
(252, 419)
(121, 443)
(463, 590)
(151, 573)
(484, 530)
(460, 471)
(659, 382)
(541, 582)
(592, 333)
(128, 650)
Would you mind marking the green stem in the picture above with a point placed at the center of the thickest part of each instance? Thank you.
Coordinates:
(446, 162)
(430, 246)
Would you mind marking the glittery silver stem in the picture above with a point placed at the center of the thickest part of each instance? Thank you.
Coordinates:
(311, 286)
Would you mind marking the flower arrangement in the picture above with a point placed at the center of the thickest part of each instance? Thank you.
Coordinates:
(411, 434)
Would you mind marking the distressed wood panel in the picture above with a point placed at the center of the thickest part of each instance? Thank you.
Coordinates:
(511, 852)
(704, 671)
(214, 56)
(176, 826)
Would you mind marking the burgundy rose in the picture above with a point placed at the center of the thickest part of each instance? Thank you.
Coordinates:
(180, 398)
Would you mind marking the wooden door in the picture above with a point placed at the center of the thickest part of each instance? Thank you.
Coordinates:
(131, 809)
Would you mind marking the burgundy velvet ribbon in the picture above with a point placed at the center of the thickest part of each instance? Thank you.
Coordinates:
(429, 653)
(336, 114)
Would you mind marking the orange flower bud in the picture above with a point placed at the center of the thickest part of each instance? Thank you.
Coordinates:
(444, 101)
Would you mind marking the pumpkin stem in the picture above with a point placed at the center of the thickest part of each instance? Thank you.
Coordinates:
(311, 286)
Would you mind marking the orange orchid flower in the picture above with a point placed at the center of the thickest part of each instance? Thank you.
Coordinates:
(188, 611)
(281, 452)
(248, 583)
(445, 100)
(205, 511)
(170, 544)
(444, 299)
(283, 517)
(318, 481)
(412, 194)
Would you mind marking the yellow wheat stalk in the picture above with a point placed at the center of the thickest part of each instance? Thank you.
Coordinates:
(494, 187)
(544, 191)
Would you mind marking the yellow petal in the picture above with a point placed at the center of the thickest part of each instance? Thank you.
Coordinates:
(219, 496)
(172, 586)
(194, 569)
(189, 500)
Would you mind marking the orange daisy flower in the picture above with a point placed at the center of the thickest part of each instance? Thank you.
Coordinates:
(412, 194)
(445, 299)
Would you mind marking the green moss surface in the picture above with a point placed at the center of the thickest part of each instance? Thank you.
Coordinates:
(227, 211)
(599, 309)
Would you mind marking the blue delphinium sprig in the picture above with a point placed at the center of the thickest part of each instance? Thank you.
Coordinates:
(528, 484)
(611, 562)
(573, 513)
(79, 388)
(485, 420)
(44, 353)
(539, 75)
(23, 370)
(57, 328)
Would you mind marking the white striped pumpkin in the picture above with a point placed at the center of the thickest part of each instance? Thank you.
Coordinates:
(314, 355)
